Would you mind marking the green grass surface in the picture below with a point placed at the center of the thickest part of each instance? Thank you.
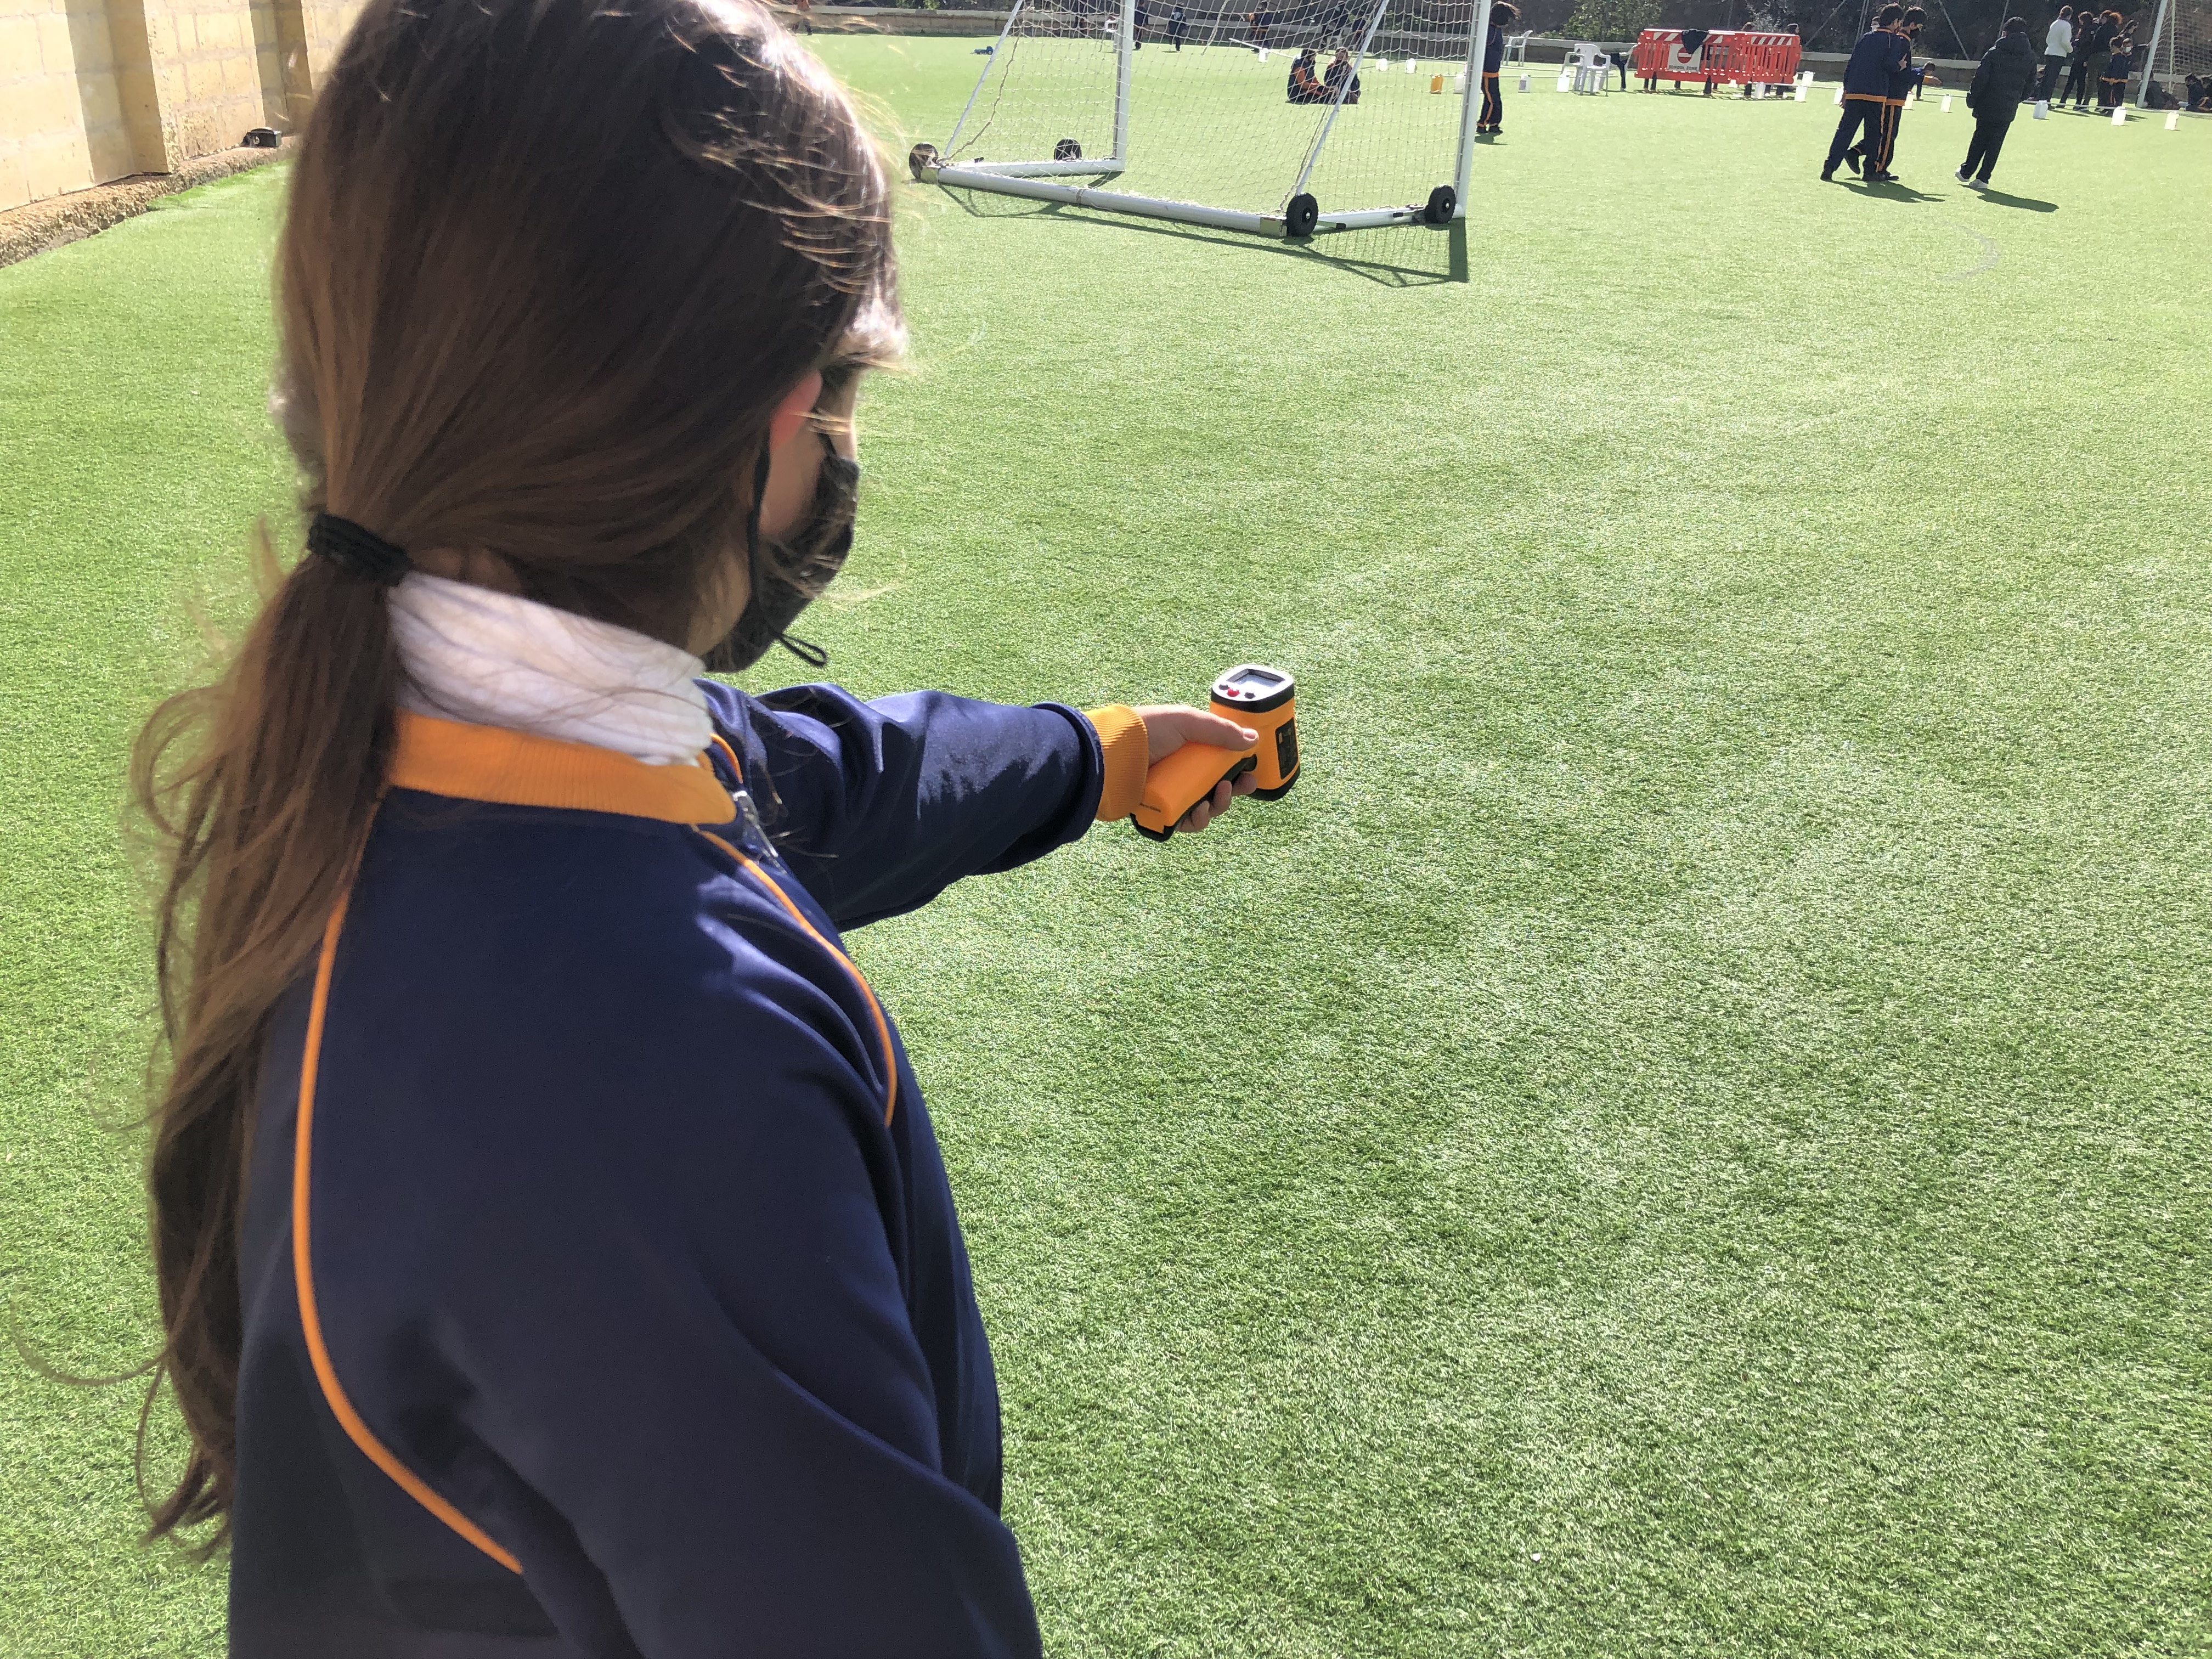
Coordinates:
(1685, 1134)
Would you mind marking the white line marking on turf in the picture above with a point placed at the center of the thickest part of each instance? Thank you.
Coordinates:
(1990, 255)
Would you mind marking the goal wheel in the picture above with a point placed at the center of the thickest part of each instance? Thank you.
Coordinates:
(1067, 150)
(1299, 218)
(1443, 202)
(921, 159)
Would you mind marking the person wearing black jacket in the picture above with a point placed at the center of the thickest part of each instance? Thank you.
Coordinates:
(1334, 77)
(2093, 49)
(2007, 70)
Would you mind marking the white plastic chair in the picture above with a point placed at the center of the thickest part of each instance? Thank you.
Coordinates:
(1592, 65)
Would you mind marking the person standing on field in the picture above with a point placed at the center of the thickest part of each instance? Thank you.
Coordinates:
(2057, 46)
(1177, 24)
(1492, 118)
(2007, 70)
(555, 1252)
(1879, 51)
(1902, 83)
(2077, 63)
(2092, 55)
(2113, 85)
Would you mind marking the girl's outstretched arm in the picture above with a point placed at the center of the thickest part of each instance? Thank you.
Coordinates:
(879, 807)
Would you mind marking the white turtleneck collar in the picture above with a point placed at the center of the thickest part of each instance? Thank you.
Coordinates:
(468, 654)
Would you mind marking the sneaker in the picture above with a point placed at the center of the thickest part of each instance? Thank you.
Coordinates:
(1978, 184)
(1963, 176)
(1851, 160)
(1827, 175)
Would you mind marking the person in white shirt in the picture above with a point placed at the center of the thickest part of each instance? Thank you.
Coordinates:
(2058, 47)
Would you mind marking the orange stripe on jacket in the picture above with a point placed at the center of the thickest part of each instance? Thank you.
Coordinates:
(303, 1271)
(876, 1008)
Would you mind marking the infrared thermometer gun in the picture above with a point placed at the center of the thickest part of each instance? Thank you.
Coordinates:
(1253, 695)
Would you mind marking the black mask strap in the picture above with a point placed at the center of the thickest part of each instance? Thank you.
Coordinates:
(806, 650)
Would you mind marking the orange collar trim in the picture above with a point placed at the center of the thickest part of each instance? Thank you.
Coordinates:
(516, 769)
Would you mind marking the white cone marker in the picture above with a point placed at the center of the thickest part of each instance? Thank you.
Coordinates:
(1839, 97)
(2173, 119)
(2042, 109)
(2119, 115)
(1946, 110)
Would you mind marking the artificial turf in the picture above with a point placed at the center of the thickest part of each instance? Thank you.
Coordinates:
(1684, 1134)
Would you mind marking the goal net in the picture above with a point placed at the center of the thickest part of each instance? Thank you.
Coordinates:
(1290, 119)
(2176, 45)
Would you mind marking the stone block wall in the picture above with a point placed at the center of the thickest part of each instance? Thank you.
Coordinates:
(96, 90)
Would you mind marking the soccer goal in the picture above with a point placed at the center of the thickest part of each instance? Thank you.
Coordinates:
(2178, 45)
(1317, 116)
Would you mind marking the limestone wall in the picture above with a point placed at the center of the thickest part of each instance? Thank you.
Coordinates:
(95, 90)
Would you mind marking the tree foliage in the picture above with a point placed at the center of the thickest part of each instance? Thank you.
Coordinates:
(1613, 20)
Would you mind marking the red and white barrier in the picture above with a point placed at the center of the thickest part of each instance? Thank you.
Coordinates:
(1729, 58)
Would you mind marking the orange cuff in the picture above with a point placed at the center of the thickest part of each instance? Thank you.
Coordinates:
(1128, 756)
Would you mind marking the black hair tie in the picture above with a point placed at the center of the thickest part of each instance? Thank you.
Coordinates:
(361, 554)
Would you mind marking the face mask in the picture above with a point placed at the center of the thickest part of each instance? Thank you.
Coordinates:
(790, 571)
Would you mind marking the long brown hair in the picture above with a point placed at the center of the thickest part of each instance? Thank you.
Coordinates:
(548, 267)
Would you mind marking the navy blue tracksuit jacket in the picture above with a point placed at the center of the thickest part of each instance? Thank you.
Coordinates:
(603, 1294)
(1879, 57)
(1876, 61)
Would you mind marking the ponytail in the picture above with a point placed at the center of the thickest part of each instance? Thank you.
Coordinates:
(719, 224)
(263, 785)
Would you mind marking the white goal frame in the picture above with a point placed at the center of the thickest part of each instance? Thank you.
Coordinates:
(1041, 179)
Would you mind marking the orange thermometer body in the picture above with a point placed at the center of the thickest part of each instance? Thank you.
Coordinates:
(1251, 694)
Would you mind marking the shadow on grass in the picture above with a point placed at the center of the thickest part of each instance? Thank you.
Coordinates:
(2027, 201)
(1408, 255)
(1893, 192)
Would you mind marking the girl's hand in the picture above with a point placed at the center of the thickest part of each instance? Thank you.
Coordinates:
(1168, 726)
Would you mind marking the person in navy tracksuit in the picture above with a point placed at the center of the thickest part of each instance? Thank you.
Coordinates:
(555, 1257)
(1492, 117)
(1903, 82)
(1878, 56)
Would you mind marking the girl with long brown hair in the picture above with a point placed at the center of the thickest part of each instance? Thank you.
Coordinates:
(554, 1251)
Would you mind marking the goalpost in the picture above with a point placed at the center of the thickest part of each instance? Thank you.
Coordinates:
(1317, 116)
(2181, 33)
